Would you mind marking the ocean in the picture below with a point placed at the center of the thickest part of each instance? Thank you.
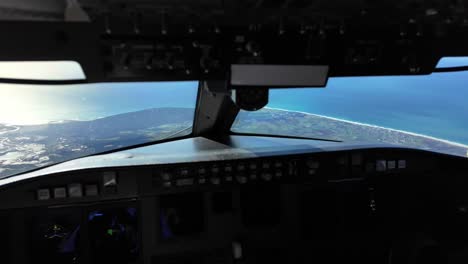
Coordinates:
(435, 105)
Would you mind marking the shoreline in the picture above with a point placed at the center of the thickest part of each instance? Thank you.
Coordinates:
(375, 126)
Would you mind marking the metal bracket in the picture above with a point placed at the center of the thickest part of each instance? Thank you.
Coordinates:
(215, 112)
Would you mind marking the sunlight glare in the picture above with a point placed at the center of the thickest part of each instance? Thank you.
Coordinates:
(41, 70)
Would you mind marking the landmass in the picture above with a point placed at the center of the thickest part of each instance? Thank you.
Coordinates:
(282, 122)
(24, 148)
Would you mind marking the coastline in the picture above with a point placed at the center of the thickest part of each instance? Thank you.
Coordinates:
(375, 126)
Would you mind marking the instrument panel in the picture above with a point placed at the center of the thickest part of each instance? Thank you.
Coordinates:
(90, 185)
(300, 207)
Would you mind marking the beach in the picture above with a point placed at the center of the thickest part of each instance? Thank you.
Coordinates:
(374, 126)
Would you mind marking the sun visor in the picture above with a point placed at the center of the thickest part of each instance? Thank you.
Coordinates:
(272, 76)
(41, 70)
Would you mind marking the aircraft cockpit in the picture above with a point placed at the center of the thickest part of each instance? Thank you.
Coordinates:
(233, 131)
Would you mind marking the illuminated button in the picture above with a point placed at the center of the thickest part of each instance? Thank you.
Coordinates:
(202, 180)
(236, 250)
(167, 184)
(253, 166)
(228, 168)
(43, 194)
(278, 174)
(215, 170)
(228, 178)
(241, 179)
(91, 190)
(402, 164)
(313, 164)
(184, 182)
(391, 164)
(166, 176)
(267, 176)
(75, 190)
(109, 178)
(240, 167)
(184, 172)
(278, 164)
(381, 165)
(60, 192)
(253, 176)
(201, 171)
(266, 165)
(215, 180)
(462, 209)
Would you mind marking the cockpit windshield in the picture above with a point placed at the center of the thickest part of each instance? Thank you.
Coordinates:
(426, 112)
(42, 125)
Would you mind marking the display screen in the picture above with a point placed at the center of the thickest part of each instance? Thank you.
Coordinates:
(114, 235)
(181, 215)
(55, 237)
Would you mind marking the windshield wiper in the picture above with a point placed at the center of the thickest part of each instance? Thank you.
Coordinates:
(283, 136)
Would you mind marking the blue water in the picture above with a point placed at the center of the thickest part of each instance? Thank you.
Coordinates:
(434, 105)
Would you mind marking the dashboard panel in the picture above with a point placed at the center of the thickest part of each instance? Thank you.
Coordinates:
(343, 205)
